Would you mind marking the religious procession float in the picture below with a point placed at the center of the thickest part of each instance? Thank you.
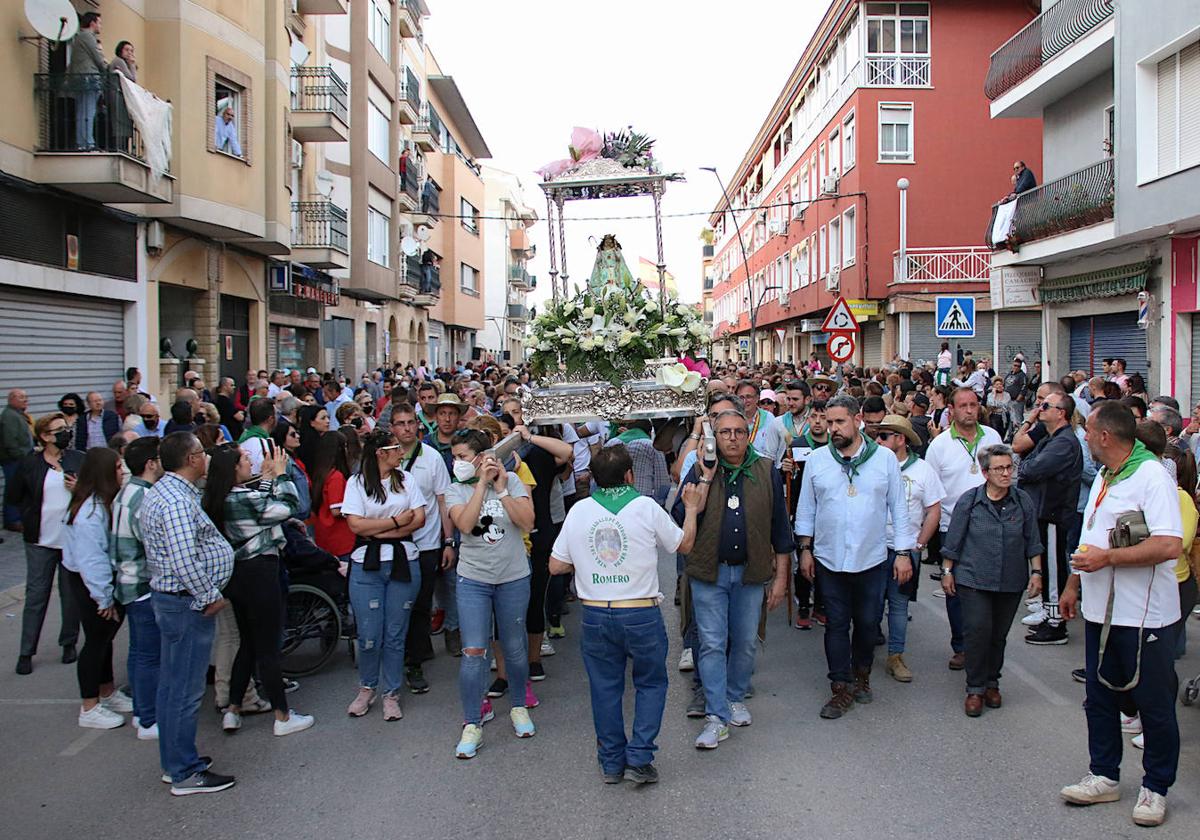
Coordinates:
(612, 349)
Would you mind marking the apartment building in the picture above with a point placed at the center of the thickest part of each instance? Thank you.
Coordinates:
(1108, 241)
(883, 92)
(507, 251)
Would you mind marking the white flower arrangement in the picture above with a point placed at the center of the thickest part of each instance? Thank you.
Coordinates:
(628, 325)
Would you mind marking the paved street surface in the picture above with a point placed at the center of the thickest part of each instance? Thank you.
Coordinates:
(909, 765)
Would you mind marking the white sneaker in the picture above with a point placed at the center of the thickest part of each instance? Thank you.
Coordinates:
(1034, 603)
(1139, 741)
(686, 663)
(99, 717)
(740, 715)
(547, 648)
(1151, 808)
(147, 733)
(1092, 789)
(1131, 725)
(295, 722)
(118, 701)
(1034, 618)
(231, 722)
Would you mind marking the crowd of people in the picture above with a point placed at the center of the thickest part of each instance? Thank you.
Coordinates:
(822, 489)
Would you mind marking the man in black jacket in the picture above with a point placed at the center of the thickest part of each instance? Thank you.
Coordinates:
(1051, 474)
(95, 426)
(231, 415)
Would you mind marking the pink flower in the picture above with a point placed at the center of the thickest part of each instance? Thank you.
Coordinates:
(699, 367)
(586, 144)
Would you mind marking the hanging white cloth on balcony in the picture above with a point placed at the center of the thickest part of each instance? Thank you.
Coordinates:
(152, 116)
(1003, 224)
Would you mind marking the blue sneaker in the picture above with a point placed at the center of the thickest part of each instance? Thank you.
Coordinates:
(471, 741)
(522, 725)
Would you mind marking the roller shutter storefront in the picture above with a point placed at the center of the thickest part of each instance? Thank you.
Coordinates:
(1019, 332)
(924, 345)
(872, 343)
(52, 344)
(1098, 337)
(1195, 367)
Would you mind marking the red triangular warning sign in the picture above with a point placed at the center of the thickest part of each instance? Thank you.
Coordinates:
(840, 318)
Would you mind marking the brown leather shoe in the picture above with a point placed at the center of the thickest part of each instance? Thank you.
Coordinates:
(841, 702)
(862, 685)
(957, 662)
(974, 705)
(991, 698)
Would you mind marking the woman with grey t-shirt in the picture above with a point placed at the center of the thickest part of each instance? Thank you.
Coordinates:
(491, 509)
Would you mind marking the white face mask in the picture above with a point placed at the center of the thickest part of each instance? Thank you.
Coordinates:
(464, 470)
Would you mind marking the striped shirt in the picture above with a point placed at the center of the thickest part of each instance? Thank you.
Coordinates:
(184, 550)
(125, 543)
(254, 517)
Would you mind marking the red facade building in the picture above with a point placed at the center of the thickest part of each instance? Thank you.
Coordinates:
(883, 91)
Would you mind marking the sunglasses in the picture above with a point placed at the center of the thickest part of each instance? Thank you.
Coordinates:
(387, 448)
(821, 388)
(886, 436)
(1047, 405)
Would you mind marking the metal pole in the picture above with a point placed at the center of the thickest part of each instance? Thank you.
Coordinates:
(553, 257)
(662, 266)
(745, 265)
(903, 267)
(562, 246)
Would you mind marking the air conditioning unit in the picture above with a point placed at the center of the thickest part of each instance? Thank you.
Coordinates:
(155, 237)
(798, 209)
(833, 279)
(297, 154)
(829, 185)
(775, 228)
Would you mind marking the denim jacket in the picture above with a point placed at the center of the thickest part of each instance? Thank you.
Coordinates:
(85, 550)
(991, 548)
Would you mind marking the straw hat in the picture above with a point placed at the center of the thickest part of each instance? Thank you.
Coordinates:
(898, 425)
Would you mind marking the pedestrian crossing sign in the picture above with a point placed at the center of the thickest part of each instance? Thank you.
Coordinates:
(955, 317)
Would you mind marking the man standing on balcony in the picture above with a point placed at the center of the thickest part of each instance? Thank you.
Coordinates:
(87, 68)
(1023, 179)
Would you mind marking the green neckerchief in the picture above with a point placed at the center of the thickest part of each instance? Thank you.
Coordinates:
(974, 444)
(909, 461)
(613, 499)
(1138, 456)
(850, 465)
(412, 459)
(733, 473)
(631, 435)
(253, 432)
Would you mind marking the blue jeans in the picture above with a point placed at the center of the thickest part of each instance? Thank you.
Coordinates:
(726, 617)
(12, 513)
(897, 608)
(382, 607)
(610, 636)
(851, 597)
(476, 603)
(145, 650)
(187, 640)
(86, 102)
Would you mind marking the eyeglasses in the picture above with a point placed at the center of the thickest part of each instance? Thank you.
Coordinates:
(821, 388)
(1047, 405)
(733, 433)
(1002, 470)
(885, 436)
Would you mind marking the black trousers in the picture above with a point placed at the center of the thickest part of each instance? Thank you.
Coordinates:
(539, 581)
(417, 645)
(94, 666)
(987, 618)
(1058, 552)
(253, 590)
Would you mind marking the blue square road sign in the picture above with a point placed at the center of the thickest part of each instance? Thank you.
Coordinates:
(955, 317)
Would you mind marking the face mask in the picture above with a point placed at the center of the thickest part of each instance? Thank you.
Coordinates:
(357, 422)
(62, 439)
(150, 422)
(464, 470)
(69, 410)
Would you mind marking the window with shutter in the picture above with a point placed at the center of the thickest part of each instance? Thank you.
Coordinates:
(1178, 123)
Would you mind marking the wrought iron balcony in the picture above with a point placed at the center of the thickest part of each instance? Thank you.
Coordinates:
(431, 197)
(1044, 37)
(410, 97)
(89, 144)
(319, 234)
(319, 105)
(897, 71)
(519, 277)
(408, 18)
(935, 266)
(1065, 204)
(410, 180)
(706, 251)
(518, 312)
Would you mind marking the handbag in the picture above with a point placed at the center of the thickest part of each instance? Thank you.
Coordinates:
(1130, 529)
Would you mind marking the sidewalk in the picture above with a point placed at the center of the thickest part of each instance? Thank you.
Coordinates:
(12, 570)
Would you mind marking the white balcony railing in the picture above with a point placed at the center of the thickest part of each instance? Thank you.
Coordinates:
(897, 71)
(924, 266)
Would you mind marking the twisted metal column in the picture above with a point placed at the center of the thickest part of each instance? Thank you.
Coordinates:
(553, 256)
(562, 246)
(662, 266)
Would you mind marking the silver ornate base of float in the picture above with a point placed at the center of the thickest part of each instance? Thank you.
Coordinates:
(577, 402)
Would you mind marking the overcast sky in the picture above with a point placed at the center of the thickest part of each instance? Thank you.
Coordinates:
(699, 77)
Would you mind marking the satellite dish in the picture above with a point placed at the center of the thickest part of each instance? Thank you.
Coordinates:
(424, 233)
(298, 52)
(325, 183)
(409, 246)
(53, 19)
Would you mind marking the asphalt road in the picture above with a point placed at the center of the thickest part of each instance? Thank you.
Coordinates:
(908, 765)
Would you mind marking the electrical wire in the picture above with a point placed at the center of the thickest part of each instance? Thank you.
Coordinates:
(758, 207)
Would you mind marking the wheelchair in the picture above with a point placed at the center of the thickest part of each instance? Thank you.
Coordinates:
(317, 614)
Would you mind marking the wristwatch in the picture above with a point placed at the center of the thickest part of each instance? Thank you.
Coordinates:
(503, 494)
(1037, 572)
(904, 552)
(946, 570)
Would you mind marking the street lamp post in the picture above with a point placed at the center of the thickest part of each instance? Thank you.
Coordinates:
(902, 185)
(745, 264)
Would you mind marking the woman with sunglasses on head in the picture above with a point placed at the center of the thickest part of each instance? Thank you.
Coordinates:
(89, 577)
(287, 437)
(330, 472)
(250, 513)
(383, 507)
(492, 510)
(313, 422)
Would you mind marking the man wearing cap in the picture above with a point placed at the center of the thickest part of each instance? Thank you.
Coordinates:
(851, 486)
(447, 411)
(918, 405)
(923, 493)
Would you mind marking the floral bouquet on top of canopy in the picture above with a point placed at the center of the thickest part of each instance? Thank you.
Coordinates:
(616, 333)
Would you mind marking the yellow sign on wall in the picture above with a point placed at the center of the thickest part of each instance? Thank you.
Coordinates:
(863, 308)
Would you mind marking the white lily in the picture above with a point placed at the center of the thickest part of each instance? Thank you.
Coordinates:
(677, 331)
(568, 308)
(625, 337)
(691, 381)
(697, 329)
(671, 376)
(589, 311)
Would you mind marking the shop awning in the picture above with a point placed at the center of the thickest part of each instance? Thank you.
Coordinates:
(1109, 282)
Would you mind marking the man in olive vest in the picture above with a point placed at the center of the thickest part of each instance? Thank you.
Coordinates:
(743, 542)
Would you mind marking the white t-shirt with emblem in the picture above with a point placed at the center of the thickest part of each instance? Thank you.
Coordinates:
(922, 488)
(357, 502)
(616, 555)
(1144, 594)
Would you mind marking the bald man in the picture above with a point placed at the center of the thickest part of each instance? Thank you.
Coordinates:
(16, 441)
(117, 404)
(96, 425)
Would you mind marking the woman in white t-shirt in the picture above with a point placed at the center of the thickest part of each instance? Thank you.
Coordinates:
(492, 510)
(383, 508)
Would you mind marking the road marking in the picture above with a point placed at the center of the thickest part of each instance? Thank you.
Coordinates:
(82, 743)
